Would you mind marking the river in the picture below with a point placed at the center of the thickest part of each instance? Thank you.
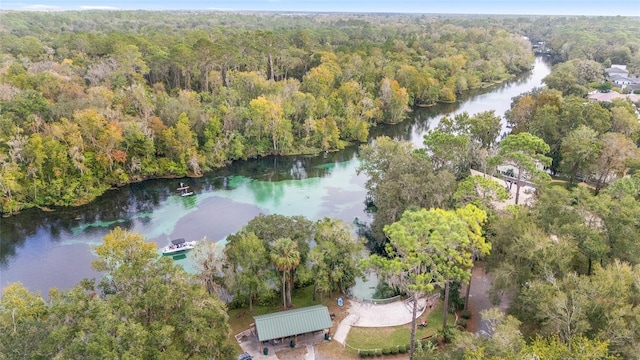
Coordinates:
(44, 250)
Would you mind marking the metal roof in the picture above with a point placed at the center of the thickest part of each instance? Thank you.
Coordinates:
(292, 322)
(178, 241)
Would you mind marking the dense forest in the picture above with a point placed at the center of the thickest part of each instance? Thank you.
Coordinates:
(92, 100)
(99, 99)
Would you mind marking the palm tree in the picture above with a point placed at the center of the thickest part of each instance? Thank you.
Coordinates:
(286, 257)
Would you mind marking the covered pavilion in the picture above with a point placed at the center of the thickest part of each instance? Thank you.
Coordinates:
(284, 324)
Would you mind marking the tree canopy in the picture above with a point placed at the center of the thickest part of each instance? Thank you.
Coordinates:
(145, 306)
(88, 107)
(429, 248)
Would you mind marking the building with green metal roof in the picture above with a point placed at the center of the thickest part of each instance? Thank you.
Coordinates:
(292, 322)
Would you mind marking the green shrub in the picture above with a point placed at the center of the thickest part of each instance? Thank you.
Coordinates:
(462, 322)
(402, 349)
(378, 352)
(269, 298)
(430, 346)
(366, 353)
(394, 350)
(466, 314)
(448, 333)
(385, 291)
(386, 351)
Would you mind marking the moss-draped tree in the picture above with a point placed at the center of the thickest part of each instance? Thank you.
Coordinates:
(429, 248)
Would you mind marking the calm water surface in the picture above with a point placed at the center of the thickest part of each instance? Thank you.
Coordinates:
(54, 249)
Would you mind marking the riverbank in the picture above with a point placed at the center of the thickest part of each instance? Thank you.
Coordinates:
(46, 250)
(86, 192)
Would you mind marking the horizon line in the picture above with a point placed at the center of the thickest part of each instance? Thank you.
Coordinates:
(97, 8)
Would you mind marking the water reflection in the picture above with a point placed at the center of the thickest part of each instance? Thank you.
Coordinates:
(137, 202)
(298, 170)
(496, 97)
(53, 249)
(225, 200)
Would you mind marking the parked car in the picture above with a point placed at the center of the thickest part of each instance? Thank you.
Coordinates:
(245, 356)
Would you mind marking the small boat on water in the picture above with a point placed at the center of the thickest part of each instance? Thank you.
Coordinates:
(184, 190)
(177, 246)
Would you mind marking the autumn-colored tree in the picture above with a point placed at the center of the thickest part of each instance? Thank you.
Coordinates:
(394, 101)
(123, 85)
(268, 123)
(180, 145)
(22, 318)
(319, 81)
(615, 150)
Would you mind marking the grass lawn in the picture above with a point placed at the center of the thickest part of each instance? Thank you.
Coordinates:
(378, 338)
(387, 337)
(240, 319)
(359, 337)
(334, 350)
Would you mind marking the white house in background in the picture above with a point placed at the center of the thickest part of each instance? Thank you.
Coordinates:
(619, 75)
(621, 80)
(617, 70)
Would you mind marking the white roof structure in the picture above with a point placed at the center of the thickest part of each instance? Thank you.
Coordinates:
(526, 192)
(612, 95)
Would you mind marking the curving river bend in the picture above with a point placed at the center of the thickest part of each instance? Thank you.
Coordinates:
(44, 250)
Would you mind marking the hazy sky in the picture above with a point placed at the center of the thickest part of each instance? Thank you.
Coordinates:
(534, 7)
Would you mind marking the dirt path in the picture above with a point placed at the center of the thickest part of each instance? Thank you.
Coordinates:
(479, 299)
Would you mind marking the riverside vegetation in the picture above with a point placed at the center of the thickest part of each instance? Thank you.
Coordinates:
(110, 98)
(77, 120)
